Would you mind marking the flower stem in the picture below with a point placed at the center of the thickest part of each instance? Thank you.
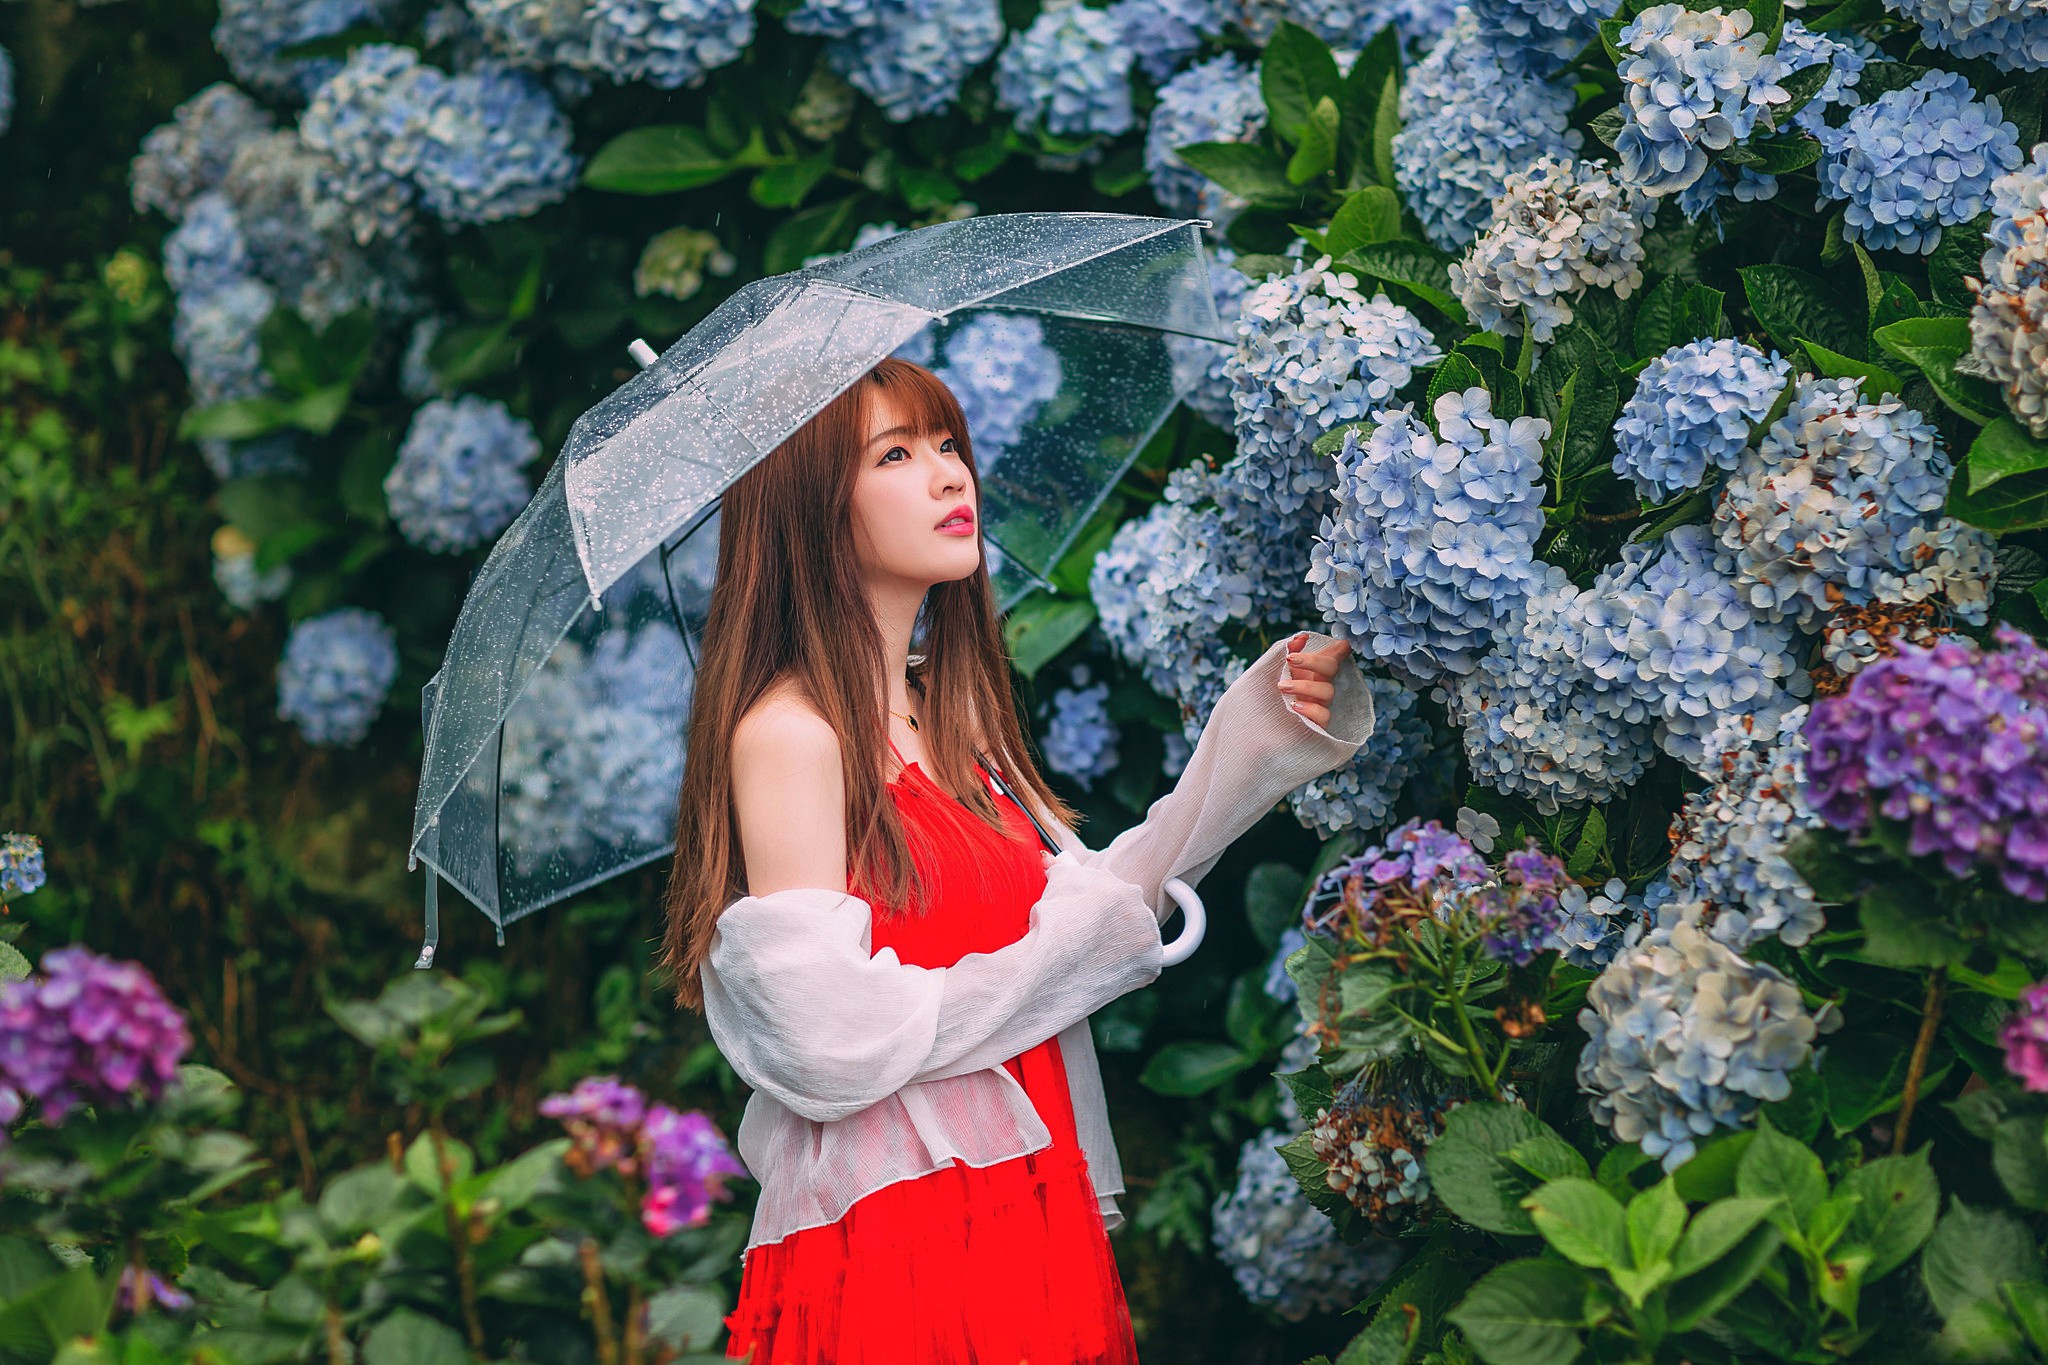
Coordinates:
(636, 1342)
(1930, 1024)
(1453, 969)
(597, 1303)
(458, 1241)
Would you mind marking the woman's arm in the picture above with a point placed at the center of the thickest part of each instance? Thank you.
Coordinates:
(1253, 751)
(803, 1010)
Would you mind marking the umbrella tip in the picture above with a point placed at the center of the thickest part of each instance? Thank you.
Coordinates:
(641, 352)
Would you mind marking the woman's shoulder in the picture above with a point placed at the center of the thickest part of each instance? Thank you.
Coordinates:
(783, 731)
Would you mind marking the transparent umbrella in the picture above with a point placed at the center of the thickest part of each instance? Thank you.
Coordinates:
(555, 727)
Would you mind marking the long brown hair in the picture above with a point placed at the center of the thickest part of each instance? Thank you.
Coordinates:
(789, 604)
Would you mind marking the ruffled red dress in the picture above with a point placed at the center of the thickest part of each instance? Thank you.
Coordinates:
(1006, 1264)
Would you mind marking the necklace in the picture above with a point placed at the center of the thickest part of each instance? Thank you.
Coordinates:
(908, 719)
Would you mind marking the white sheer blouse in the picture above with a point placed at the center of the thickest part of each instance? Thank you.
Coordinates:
(867, 1070)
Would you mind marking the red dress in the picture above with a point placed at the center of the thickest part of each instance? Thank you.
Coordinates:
(1006, 1264)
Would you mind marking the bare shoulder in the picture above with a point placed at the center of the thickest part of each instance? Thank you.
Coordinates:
(789, 795)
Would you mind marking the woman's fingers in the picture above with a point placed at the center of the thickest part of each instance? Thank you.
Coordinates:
(1321, 662)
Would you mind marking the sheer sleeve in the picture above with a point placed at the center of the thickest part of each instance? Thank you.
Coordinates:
(804, 1013)
(1254, 750)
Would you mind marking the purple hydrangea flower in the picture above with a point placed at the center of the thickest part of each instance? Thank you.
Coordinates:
(2025, 1036)
(88, 1030)
(1951, 739)
(683, 1157)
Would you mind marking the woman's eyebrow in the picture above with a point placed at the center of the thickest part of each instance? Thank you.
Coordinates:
(895, 431)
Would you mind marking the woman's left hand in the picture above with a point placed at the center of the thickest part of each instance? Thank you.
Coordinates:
(1314, 682)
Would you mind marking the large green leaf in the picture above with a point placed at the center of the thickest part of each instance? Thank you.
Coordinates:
(1421, 269)
(1773, 1166)
(1934, 345)
(2001, 450)
(1245, 169)
(661, 158)
(1972, 1252)
(1295, 74)
(1585, 1223)
(1790, 304)
(1697, 1297)
(1359, 101)
(1042, 625)
(1317, 154)
(1193, 1067)
(807, 232)
(1525, 1313)
(1470, 1173)
(410, 1338)
(1372, 214)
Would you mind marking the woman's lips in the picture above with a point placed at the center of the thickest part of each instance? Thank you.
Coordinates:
(957, 528)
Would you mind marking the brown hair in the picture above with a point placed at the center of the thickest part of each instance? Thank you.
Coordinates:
(789, 604)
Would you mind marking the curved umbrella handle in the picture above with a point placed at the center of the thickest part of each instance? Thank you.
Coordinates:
(1196, 917)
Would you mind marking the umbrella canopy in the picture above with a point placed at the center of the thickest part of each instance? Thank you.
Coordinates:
(555, 727)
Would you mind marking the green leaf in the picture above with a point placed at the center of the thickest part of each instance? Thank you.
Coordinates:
(360, 1198)
(1866, 1076)
(1974, 1251)
(1715, 1231)
(1781, 156)
(1901, 930)
(1934, 345)
(410, 1338)
(1658, 325)
(1416, 267)
(423, 1169)
(2018, 503)
(1548, 1157)
(1359, 102)
(1193, 1067)
(1296, 73)
(1317, 154)
(1372, 214)
(659, 159)
(1656, 1220)
(1699, 1296)
(1802, 85)
(806, 233)
(1790, 303)
(1386, 122)
(1607, 125)
(1041, 626)
(1245, 169)
(1272, 900)
(2018, 1156)
(1583, 1222)
(13, 967)
(785, 184)
(1525, 1313)
(2002, 450)
(688, 1317)
(1875, 380)
(2028, 1304)
(1960, 252)
(1592, 842)
(1700, 314)
(1775, 1167)
(1470, 1174)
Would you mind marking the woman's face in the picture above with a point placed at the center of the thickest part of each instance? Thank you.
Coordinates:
(906, 487)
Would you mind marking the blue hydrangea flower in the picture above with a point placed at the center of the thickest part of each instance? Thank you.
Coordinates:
(1692, 411)
(306, 249)
(1541, 35)
(1728, 843)
(189, 155)
(1080, 738)
(1278, 985)
(1915, 160)
(1820, 508)
(913, 60)
(1201, 368)
(416, 378)
(668, 44)
(336, 671)
(1069, 74)
(2009, 322)
(477, 147)
(1559, 228)
(1281, 1250)
(1669, 626)
(1001, 369)
(1341, 23)
(1165, 587)
(214, 334)
(1360, 794)
(1685, 1037)
(457, 481)
(251, 34)
(2011, 34)
(1845, 54)
(1162, 34)
(6, 91)
(1313, 352)
(1177, 751)
(1213, 101)
(1696, 81)
(593, 754)
(236, 575)
(1951, 568)
(1430, 545)
(1467, 123)
(21, 864)
(1537, 722)
(207, 250)
(836, 18)
(1598, 925)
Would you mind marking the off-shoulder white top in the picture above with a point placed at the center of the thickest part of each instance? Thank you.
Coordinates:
(867, 1070)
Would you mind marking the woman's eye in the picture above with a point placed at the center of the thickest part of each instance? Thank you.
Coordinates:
(899, 450)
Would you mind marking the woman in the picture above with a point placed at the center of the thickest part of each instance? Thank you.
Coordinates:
(928, 1124)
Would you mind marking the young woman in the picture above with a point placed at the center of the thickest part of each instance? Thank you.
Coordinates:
(880, 945)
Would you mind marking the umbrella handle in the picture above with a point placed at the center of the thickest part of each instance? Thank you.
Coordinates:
(641, 352)
(1196, 922)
